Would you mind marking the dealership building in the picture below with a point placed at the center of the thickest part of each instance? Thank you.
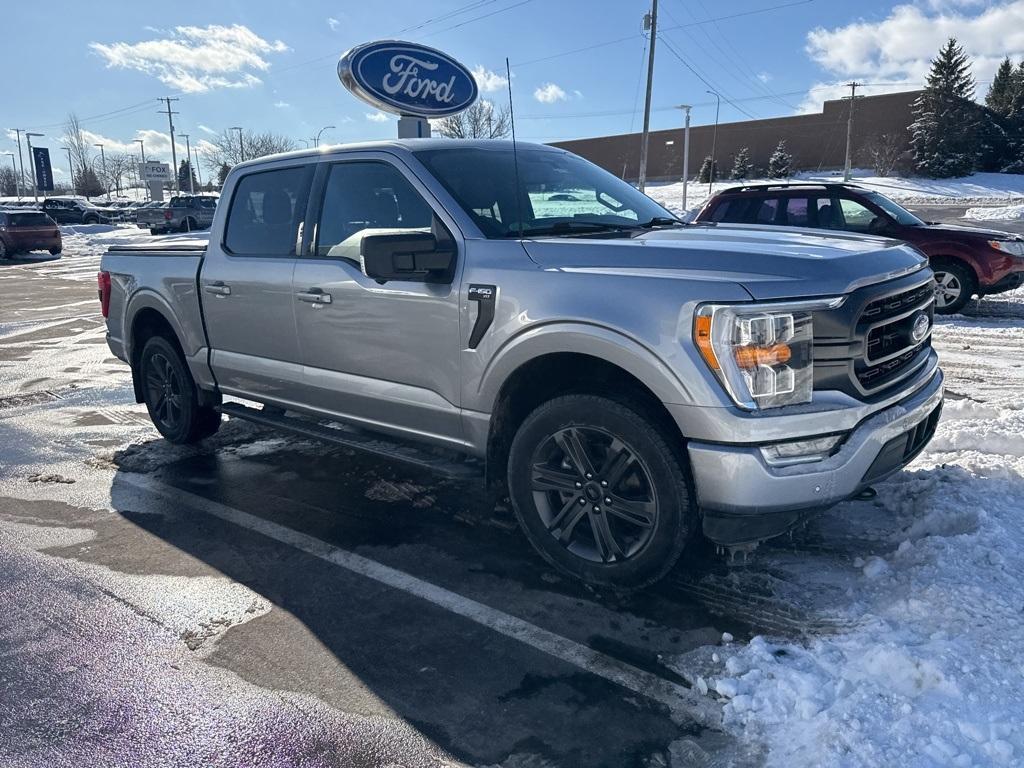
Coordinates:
(817, 141)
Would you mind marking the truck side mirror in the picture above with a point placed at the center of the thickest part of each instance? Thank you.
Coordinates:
(406, 255)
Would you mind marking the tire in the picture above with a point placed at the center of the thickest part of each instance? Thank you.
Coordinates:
(627, 543)
(154, 232)
(187, 225)
(90, 220)
(955, 284)
(171, 395)
(4, 253)
(55, 251)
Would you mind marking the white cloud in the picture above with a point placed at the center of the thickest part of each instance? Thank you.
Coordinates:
(197, 59)
(377, 117)
(282, 104)
(764, 77)
(578, 94)
(207, 129)
(333, 23)
(549, 93)
(900, 47)
(488, 81)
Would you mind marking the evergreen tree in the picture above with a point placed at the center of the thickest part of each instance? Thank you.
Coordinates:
(1000, 94)
(186, 174)
(88, 183)
(708, 169)
(780, 163)
(741, 166)
(222, 173)
(945, 131)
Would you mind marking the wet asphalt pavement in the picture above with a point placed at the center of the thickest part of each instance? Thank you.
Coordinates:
(264, 601)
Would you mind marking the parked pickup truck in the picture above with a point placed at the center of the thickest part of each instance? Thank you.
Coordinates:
(183, 213)
(627, 381)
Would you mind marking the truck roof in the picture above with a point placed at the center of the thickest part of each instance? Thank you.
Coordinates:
(407, 145)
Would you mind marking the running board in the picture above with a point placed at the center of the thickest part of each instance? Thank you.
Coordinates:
(344, 435)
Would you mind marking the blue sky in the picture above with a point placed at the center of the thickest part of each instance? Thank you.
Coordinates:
(272, 67)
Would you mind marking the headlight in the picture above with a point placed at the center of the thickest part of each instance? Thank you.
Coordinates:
(1012, 247)
(762, 354)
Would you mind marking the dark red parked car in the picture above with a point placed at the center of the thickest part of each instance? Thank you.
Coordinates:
(27, 231)
(967, 261)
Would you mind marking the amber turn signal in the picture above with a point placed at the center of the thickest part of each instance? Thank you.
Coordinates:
(702, 332)
(751, 357)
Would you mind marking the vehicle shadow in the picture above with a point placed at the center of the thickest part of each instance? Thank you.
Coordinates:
(480, 696)
(32, 257)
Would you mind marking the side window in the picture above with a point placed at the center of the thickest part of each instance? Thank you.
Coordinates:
(797, 212)
(362, 198)
(731, 211)
(767, 210)
(266, 210)
(855, 217)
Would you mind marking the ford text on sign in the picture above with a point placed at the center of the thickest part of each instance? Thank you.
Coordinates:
(407, 79)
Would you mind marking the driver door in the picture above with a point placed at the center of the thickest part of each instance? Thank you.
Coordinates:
(386, 355)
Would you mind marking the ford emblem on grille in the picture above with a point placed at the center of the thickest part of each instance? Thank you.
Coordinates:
(920, 328)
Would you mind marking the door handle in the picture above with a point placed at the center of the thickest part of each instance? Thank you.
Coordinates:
(314, 296)
(218, 288)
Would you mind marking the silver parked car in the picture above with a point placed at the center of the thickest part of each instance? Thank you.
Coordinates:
(626, 380)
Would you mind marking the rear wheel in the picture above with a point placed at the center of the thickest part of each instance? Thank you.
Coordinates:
(955, 284)
(4, 253)
(171, 394)
(187, 225)
(154, 231)
(599, 491)
(55, 251)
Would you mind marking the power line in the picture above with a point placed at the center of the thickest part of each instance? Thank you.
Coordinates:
(704, 80)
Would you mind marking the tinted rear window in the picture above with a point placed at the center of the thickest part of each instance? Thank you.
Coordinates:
(266, 210)
(28, 220)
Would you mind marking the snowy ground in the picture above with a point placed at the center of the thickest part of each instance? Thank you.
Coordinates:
(998, 213)
(981, 189)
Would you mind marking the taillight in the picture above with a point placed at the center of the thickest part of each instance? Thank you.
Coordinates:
(167, 214)
(103, 278)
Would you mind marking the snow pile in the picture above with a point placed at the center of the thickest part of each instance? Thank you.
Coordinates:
(927, 668)
(999, 213)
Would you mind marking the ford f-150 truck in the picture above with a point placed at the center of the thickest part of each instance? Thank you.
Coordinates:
(183, 213)
(625, 380)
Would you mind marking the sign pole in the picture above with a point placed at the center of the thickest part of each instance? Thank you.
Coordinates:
(28, 138)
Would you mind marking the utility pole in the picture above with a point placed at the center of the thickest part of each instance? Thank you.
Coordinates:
(106, 179)
(142, 146)
(241, 146)
(21, 162)
(71, 167)
(651, 22)
(714, 143)
(28, 138)
(686, 151)
(15, 169)
(849, 130)
(174, 154)
(199, 173)
(188, 158)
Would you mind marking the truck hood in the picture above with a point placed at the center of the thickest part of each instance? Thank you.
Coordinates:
(770, 263)
(971, 233)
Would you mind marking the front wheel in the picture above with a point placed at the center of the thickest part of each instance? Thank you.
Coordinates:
(955, 284)
(55, 251)
(599, 491)
(171, 395)
(90, 220)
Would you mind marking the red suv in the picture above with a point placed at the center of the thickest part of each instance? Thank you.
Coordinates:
(967, 261)
(27, 231)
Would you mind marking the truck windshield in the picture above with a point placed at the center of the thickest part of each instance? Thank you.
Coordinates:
(558, 193)
(898, 212)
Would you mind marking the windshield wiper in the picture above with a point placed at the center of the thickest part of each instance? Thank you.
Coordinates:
(573, 228)
(663, 221)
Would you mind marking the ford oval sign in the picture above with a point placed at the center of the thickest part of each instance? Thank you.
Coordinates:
(407, 79)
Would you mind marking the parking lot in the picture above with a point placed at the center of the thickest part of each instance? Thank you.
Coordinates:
(266, 600)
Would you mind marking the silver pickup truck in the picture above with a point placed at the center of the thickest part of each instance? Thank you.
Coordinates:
(625, 380)
(182, 213)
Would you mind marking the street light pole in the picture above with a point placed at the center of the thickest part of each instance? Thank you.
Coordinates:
(686, 151)
(106, 179)
(142, 146)
(188, 156)
(241, 146)
(32, 164)
(316, 140)
(199, 173)
(714, 141)
(652, 19)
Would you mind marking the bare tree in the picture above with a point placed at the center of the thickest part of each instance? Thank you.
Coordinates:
(227, 149)
(481, 121)
(74, 138)
(883, 152)
(118, 170)
(8, 182)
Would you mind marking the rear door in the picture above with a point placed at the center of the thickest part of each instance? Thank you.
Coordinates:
(387, 354)
(246, 284)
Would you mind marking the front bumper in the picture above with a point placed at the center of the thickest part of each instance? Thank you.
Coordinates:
(744, 499)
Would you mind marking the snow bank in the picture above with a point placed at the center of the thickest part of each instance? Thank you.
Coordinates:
(999, 213)
(924, 584)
